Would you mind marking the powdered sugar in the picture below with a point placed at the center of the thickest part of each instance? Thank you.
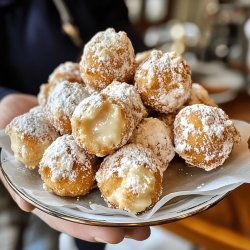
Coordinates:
(164, 62)
(155, 135)
(123, 111)
(129, 156)
(164, 80)
(33, 124)
(66, 96)
(137, 183)
(66, 71)
(62, 101)
(61, 156)
(213, 135)
(106, 57)
(128, 94)
(84, 108)
(134, 171)
(199, 95)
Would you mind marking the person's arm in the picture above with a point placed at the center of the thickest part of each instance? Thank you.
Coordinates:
(16, 104)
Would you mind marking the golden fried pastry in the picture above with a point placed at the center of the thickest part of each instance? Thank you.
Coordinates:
(129, 96)
(67, 169)
(69, 71)
(43, 94)
(105, 121)
(38, 110)
(199, 95)
(168, 119)
(164, 81)
(130, 179)
(155, 135)
(30, 134)
(141, 56)
(204, 136)
(108, 56)
(66, 71)
(62, 101)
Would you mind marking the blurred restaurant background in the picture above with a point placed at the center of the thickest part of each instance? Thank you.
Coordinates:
(214, 37)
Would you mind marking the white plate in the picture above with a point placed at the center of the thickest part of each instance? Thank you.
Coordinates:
(187, 191)
(189, 205)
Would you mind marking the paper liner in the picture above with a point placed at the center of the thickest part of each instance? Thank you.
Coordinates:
(190, 186)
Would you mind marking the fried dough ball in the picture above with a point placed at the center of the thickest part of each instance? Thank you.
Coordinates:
(108, 56)
(141, 56)
(130, 179)
(129, 96)
(164, 81)
(43, 94)
(199, 95)
(67, 169)
(30, 134)
(38, 110)
(155, 135)
(168, 119)
(204, 136)
(68, 71)
(62, 101)
(104, 122)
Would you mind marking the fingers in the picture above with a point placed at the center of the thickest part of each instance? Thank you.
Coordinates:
(115, 235)
(13, 105)
(138, 233)
(111, 235)
(83, 232)
(24, 205)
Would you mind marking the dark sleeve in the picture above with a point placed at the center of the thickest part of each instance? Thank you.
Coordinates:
(32, 44)
(114, 13)
(95, 15)
(109, 13)
(5, 91)
(5, 3)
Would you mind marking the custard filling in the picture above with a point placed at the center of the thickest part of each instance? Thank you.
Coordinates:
(105, 125)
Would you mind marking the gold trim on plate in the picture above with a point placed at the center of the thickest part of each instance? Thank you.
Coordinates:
(92, 222)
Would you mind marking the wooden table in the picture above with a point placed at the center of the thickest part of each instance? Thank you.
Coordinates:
(226, 225)
(239, 108)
